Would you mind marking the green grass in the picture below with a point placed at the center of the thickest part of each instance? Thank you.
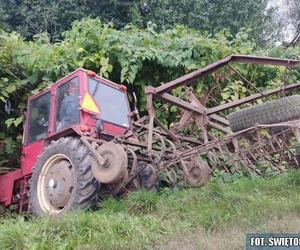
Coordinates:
(144, 219)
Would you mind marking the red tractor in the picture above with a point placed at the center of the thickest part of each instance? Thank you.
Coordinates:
(81, 139)
(56, 171)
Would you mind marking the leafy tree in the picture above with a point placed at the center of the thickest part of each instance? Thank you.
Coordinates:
(264, 23)
(294, 8)
(132, 56)
(3, 17)
(206, 15)
(35, 16)
(32, 17)
(283, 24)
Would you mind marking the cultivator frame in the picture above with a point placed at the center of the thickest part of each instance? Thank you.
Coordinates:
(165, 148)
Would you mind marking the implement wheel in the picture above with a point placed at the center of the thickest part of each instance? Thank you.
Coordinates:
(276, 111)
(62, 179)
(147, 177)
(197, 172)
(115, 168)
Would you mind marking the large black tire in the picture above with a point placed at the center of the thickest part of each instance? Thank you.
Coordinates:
(276, 111)
(148, 177)
(83, 187)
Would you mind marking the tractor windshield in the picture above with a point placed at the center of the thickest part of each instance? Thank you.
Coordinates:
(111, 101)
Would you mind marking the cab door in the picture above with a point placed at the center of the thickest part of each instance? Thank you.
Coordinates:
(37, 129)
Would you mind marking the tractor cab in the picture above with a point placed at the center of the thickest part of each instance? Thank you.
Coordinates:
(76, 103)
(80, 103)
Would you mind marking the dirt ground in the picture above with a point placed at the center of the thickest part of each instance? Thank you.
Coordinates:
(232, 238)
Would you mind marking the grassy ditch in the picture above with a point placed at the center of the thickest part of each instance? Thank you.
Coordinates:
(144, 219)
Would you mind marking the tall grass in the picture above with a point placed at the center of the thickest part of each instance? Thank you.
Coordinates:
(145, 218)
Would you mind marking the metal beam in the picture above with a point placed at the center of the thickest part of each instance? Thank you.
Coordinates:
(221, 63)
(180, 103)
(210, 112)
(251, 98)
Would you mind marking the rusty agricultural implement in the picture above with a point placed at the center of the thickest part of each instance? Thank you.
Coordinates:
(108, 148)
(258, 149)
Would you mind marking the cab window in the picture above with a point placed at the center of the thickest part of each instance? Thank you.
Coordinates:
(39, 113)
(111, 101)
(68, 112)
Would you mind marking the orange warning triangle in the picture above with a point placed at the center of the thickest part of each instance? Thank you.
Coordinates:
(89, 104)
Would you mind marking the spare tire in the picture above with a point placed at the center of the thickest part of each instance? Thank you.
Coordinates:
(280, 110)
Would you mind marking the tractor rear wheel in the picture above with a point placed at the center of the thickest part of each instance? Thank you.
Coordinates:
(62, 179)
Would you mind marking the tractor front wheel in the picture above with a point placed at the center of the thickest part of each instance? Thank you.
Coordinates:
(62, 179)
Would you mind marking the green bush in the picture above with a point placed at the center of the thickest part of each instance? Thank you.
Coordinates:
(135, 57)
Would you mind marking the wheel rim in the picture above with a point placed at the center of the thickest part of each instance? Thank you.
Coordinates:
(56, 184)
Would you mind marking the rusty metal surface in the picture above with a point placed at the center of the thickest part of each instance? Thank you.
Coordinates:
(98, 157)
(188, 149)
(251, 98)
(215, 149)
(184, 80)
(115, 160)
(197, 173)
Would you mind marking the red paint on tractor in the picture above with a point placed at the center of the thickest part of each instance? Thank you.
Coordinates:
(29, 156)
(113, 129)
(7, 183)
(10, 181)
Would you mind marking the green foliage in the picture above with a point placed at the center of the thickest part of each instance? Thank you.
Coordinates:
(13, 237)
(36, 16)
(54, 17)
(234, 91)
(283, 23)
(142, 202)
(205, 15)
(263, 19)
(216, 206)
(136, 57)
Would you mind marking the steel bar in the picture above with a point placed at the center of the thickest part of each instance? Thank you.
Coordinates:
(181, 138)
(184, 120)
(214, 66)
(168, 132)
(98, 157)
(250, 98)
(221, 128)
(188, 106)
(180, 103)
(208, 146)
(219, 119)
